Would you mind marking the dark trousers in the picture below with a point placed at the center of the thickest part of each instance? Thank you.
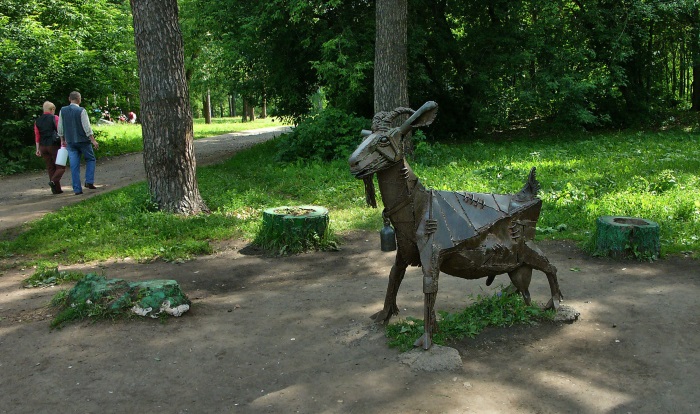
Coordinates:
(48, 153)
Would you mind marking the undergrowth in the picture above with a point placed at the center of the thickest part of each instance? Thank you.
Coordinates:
(51, 276)
(294, 241)
(498, 310)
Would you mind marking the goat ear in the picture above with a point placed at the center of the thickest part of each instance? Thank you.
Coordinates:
(422, 117)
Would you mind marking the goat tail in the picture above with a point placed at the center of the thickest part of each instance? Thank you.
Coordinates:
(530, 189)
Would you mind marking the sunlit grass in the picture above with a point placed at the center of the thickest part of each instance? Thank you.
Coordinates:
(121, 138)
(650, 175)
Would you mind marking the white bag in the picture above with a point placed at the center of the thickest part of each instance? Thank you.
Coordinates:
(62, 156)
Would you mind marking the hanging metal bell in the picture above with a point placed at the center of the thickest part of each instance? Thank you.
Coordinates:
(388, 238)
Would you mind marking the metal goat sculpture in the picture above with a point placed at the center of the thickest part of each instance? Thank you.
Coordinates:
(464, 234)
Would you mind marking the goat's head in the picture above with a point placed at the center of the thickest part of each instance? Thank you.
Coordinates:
(383, 145)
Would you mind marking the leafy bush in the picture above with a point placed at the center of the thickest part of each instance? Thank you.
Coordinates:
(333, 134)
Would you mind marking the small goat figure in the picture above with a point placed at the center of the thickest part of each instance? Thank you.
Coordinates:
(468, 235)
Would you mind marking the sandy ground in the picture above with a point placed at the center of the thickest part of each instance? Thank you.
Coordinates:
(293, 334)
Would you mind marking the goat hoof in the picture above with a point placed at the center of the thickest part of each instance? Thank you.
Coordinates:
(552, 304)
(381, 317)
(424, 342)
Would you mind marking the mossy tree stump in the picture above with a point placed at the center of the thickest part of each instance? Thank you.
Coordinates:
(97, 297)
(293, 229)
(624, 237)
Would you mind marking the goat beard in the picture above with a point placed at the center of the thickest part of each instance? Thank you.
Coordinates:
(370, 193)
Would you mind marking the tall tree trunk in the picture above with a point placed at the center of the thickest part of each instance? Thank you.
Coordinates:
(695, 52)
(233, 100)
(390, 57)
(244, 112)
(207, 108)
(263, 110)
(166, 115)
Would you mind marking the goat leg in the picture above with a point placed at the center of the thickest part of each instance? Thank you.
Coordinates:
(430, 322)
(536, 259)
(398, 270)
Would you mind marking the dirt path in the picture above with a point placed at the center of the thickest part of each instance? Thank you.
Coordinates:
(26, 197)
(286, 335)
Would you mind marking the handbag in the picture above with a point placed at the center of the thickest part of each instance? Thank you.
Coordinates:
(56, 138)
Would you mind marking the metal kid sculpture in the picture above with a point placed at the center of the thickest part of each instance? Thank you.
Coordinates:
(463, 234)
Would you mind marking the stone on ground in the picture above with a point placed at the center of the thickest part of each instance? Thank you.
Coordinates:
(437, 358)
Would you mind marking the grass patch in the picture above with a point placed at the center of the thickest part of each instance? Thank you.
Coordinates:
(50, 276)
(294, 242)
(653, 175)
(499, 310)
(120, 139)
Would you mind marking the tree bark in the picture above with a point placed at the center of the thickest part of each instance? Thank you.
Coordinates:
(251, 112)
(390, 57)
(263, 110)
(207, 108)
(695, 51)
(166, 115)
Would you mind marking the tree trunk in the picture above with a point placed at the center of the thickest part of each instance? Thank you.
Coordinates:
(390, 59)
(233, 100)
(166, 115)
(207, 108)
(695, 51)
(244, 112)
(263, 113)
(251, 112)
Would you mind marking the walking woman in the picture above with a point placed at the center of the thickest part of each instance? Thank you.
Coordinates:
(48, 144)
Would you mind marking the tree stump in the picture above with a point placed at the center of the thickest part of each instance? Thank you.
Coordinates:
(624, 237)
(293, 229)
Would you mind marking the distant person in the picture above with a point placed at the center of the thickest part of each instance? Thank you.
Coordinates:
(47, 145)
(75, 130)
(132, 117)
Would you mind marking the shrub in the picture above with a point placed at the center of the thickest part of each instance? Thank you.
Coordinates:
(333, 134)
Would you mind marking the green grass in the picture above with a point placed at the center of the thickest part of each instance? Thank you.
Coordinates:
(499, 310)
(120, 139)
(653, 175)
(50, 276)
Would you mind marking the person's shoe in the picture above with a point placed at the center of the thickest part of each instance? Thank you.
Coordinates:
(90, 186)
(53, 187)
(79, 193)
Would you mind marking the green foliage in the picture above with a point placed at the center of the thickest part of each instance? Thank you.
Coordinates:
(330, 135)
(50, 276)
(499, 310)
(583, 176)
(49, 49)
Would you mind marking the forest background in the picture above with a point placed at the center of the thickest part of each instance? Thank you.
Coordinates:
(491, 66)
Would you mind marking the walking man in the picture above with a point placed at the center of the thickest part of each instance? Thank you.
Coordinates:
(75, 131)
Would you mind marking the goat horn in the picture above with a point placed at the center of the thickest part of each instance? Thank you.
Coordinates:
(388, 117)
